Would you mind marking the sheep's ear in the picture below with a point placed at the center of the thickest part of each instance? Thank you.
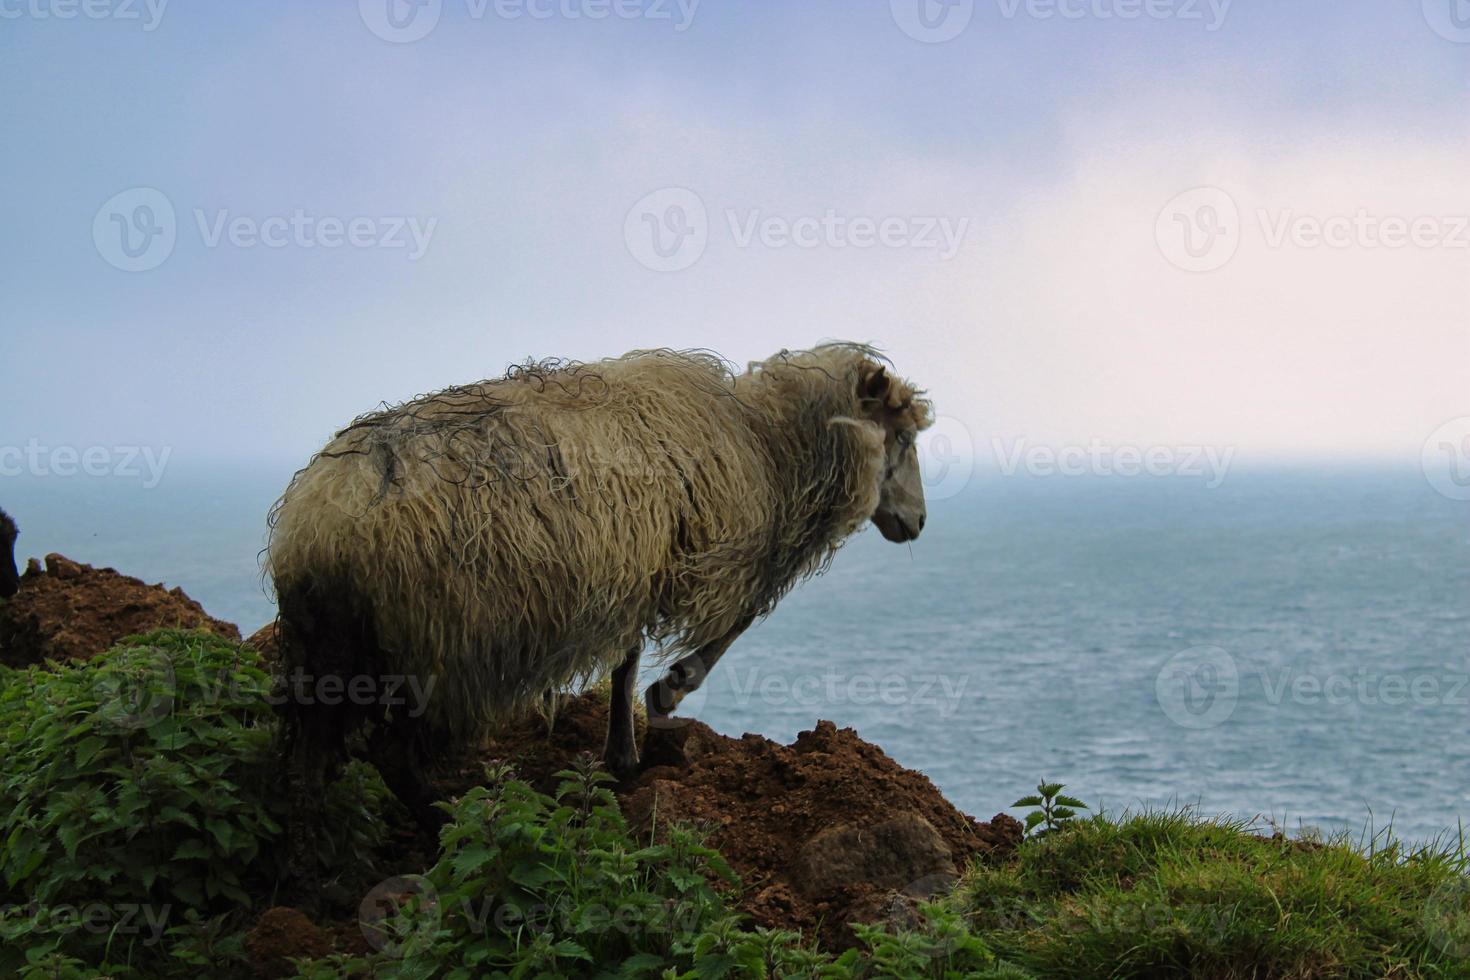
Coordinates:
(874, 385)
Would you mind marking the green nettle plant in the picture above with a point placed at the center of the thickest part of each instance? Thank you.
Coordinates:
(529, 885)
(1054, 810)
(141, 805)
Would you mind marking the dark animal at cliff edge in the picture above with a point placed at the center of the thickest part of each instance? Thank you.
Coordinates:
(511, 537)
(9, 576)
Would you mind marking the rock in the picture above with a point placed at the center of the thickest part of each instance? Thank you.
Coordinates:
(267, 642)
(72, 611)
(890, 854)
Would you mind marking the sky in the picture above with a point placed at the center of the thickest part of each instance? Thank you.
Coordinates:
(229, 228)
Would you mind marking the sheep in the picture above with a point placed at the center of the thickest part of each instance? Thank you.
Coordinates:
(9, 576)
(516, 536)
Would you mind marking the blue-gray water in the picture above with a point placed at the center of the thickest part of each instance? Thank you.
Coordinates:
(1024, 635)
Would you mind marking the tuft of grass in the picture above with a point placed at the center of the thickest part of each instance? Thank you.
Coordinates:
(1169, 893)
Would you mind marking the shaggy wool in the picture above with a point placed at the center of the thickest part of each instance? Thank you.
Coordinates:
(523, 534)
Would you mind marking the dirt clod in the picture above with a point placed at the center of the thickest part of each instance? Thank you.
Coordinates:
(280, 934)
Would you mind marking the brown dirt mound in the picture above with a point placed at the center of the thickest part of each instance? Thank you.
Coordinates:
(73, 611)
(825, 831)
(279, 935)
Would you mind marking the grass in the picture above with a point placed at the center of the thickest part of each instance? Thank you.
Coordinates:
(1172, 894)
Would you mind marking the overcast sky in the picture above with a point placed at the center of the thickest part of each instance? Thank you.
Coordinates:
(1151, 222)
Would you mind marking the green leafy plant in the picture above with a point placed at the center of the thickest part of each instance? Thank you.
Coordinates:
(1053, 809)
(142, 801)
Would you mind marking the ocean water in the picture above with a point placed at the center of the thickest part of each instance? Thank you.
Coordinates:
(1293, 644)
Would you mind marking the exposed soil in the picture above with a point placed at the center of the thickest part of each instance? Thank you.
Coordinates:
(824, 831)
(71, 611)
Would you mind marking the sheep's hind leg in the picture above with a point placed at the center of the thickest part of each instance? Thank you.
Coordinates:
(620, 755)
(396, 749)
(663, 696)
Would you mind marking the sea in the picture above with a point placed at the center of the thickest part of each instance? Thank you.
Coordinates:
(1290, 644)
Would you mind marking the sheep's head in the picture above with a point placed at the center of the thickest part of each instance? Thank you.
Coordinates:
(895, 406)
(9, 577)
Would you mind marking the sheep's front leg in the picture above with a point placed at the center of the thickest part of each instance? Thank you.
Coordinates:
(686, 675)
(620, 755)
